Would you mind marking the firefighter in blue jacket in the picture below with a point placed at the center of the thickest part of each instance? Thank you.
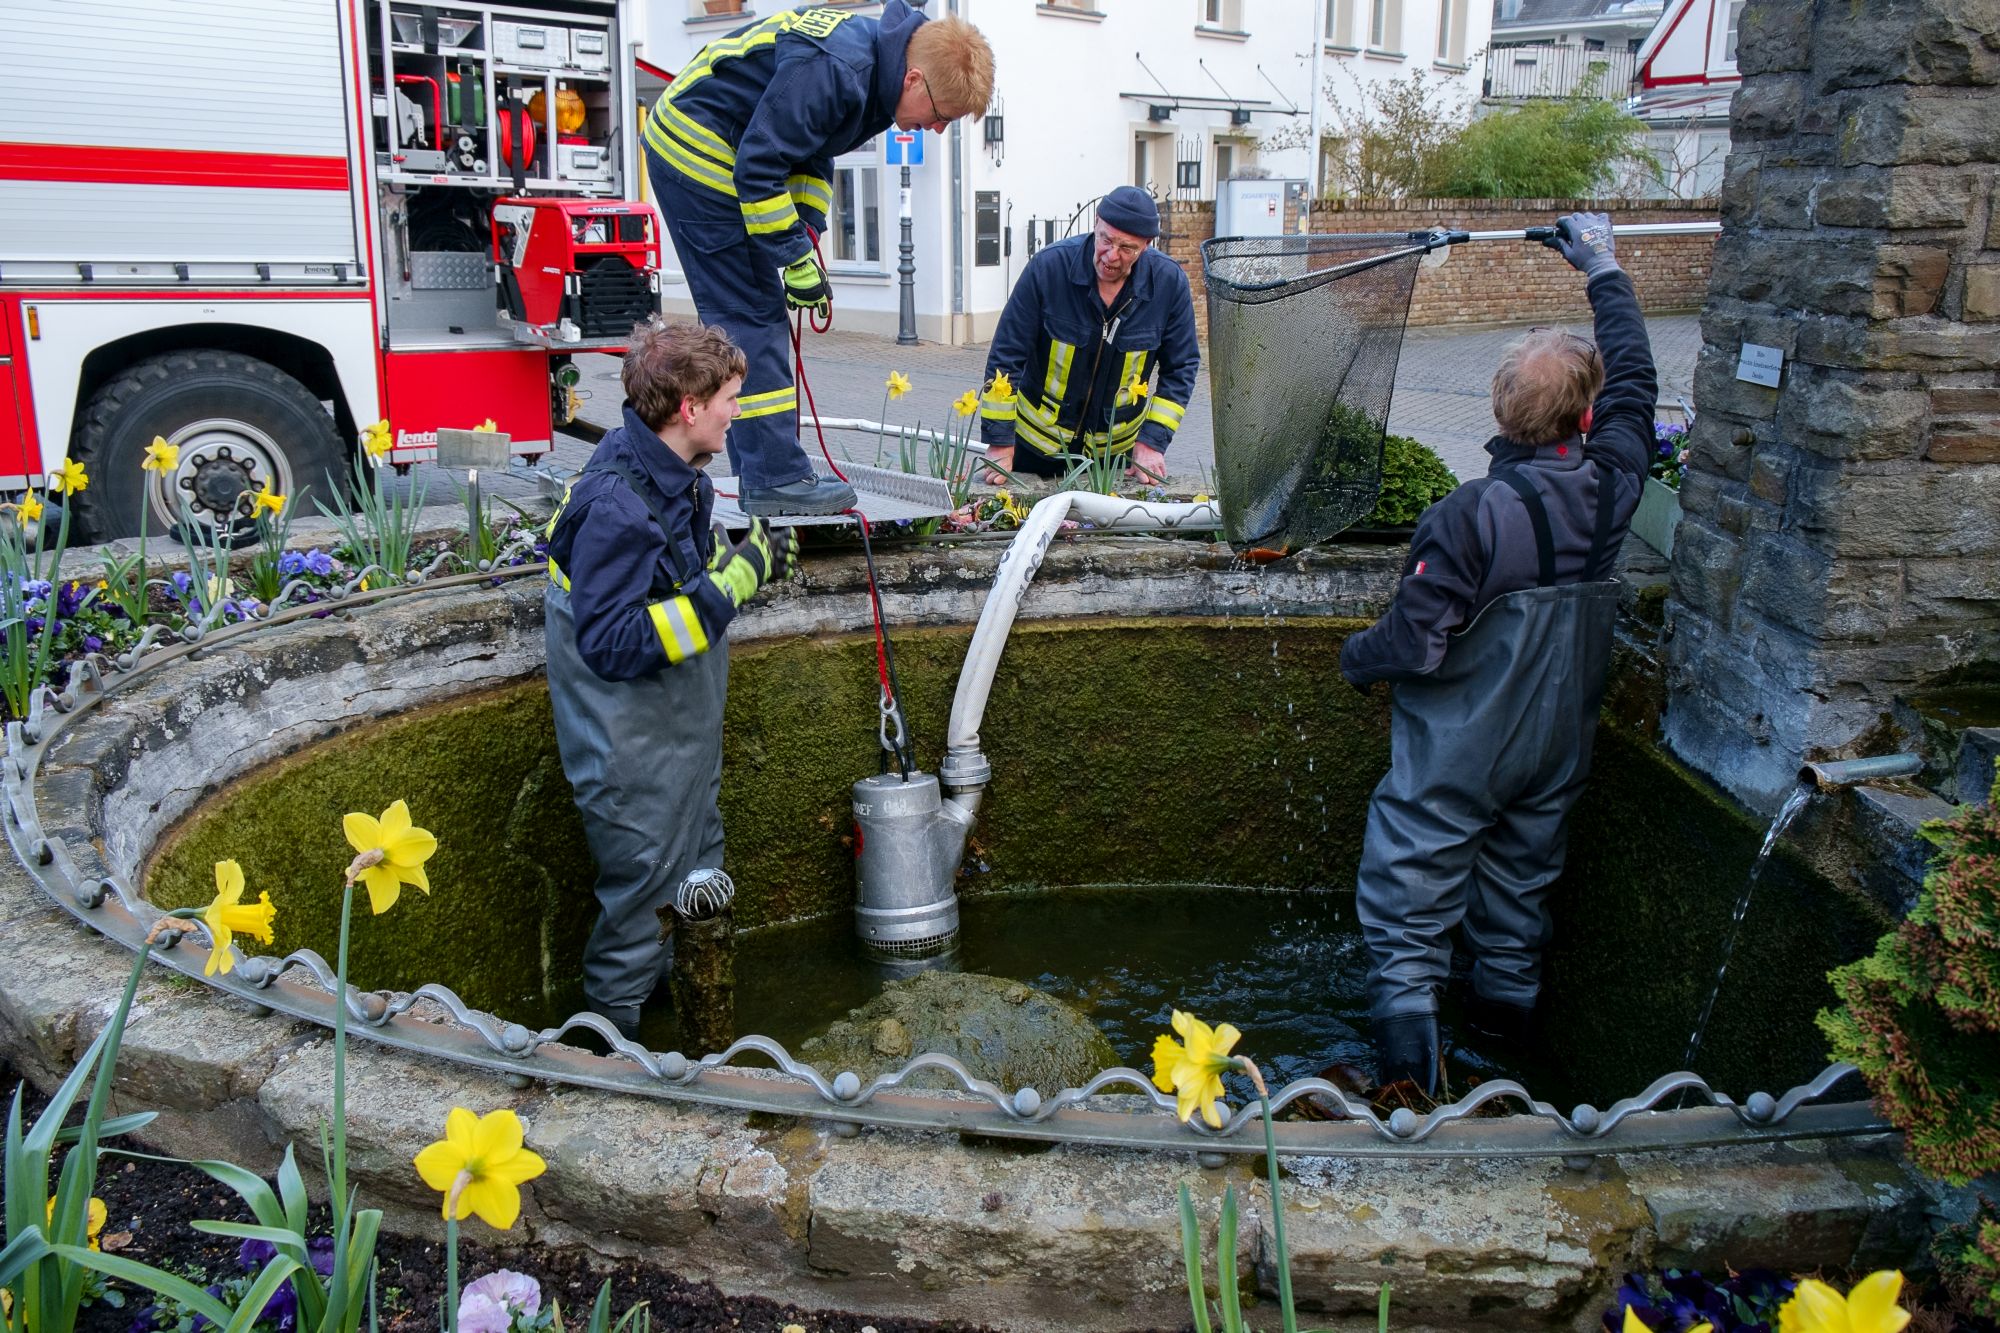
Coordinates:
(1091, 320)
(740, 153)
(1496, 647)
(640, 596)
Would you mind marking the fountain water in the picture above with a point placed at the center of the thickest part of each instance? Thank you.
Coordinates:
(1801, 795)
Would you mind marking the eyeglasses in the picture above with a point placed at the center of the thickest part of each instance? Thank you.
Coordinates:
(936, 115)
(1124, 249)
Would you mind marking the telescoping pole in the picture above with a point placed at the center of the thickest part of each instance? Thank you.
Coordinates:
(1617, 230)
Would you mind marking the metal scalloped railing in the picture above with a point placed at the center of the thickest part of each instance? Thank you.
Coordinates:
(1117, 1108)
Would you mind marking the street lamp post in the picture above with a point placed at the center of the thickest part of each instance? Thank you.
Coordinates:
(906, 274)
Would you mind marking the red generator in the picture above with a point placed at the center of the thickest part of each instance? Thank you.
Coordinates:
(576, 269)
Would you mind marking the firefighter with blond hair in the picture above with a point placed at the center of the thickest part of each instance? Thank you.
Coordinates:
(1496, 647)
(740, 149)
(641, 593)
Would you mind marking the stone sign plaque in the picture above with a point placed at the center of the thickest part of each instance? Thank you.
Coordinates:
(1759, 365)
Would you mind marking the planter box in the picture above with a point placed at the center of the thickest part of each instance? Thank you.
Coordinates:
(1658, 514)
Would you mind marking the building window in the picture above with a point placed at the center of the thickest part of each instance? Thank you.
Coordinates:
(1224, 14)
(1141, 166)
(707, 8)
(1451, 32)
(1340, 22)
(1385, 25)
(1729, 35)
(1084, 6)
(856, 222)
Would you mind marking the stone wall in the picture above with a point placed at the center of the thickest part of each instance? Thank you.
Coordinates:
(1841, 532)
(1490, 282)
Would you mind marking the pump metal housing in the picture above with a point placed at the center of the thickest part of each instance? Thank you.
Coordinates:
(908, 840)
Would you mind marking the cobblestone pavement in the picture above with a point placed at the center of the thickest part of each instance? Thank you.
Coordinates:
(1441, 395)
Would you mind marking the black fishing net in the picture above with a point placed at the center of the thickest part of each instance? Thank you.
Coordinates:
(1303, 337)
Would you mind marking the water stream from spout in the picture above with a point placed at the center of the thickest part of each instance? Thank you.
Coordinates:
(1786, 814)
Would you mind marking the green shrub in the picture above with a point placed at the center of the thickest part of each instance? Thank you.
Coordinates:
(1563, 147)
(1413, 479)
(1921, 1016)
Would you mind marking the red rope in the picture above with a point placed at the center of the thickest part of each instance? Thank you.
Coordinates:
(812, 409)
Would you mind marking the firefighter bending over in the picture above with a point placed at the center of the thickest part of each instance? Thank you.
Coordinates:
(640, 597)
(1087, 325)
(740, 153)
(1497, 644)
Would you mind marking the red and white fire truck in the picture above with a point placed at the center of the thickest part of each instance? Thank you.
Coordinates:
(254, 227)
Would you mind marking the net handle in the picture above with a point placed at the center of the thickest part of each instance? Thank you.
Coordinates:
(1426, 242)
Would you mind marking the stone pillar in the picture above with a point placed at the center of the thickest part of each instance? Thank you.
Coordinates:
(1840, 539)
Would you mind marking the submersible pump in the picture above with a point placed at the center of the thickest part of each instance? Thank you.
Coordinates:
(909, 837)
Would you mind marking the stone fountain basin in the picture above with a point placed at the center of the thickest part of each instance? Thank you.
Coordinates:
(887, 1221)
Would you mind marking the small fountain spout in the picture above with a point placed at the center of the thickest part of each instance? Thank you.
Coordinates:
(1833, 774)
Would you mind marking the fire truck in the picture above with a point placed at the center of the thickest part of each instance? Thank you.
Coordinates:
(255, 227)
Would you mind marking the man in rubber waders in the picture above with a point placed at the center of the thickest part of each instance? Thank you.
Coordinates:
(640, 596)
(1495, 648)
(740, 149)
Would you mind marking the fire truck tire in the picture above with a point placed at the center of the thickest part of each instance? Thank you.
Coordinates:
(239, 423)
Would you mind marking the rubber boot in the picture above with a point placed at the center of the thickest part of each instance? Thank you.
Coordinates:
(1512, 1025)
(811, 495)
(1407, 1047)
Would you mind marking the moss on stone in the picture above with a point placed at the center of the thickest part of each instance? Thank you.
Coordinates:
(1124, 751)
(1657, 862)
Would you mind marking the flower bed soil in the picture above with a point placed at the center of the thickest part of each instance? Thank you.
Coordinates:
(151, 1207)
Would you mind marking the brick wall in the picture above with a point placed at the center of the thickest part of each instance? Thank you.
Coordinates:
(1491, 282)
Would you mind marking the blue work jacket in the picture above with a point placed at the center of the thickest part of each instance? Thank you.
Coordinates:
(1075, 365)
(634, 557)
(760, 115)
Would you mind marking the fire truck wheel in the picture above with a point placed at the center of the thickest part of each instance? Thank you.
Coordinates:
(239, 424)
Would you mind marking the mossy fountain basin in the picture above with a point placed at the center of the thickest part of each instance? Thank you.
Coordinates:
(1144, 730)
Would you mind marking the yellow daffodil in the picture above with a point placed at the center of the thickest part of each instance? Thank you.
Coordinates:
(398, 850)
(898, 384)
(30, 508)
(1002, 388)
(94, 1218)
(160, 456)
(486, 427)
(1869, 1308)
(1194, 1072)
(967, 404)
(480, 1157)
(1138, 389)
(227, 915)
(70, 479)
(264, 500)
(377, 440)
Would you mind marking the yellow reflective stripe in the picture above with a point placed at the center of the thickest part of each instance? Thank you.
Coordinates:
(768, 404)
(998, 409)
(1167, 412)
(679, 629)
(811, 192)
(729, 48)
(1037, 438)
(556, 576)
(763, 217)
(1133, 369)
(1057, 382)
(695, 134)
(696, 168)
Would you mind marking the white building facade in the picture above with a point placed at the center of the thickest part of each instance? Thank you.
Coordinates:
(1174, 95)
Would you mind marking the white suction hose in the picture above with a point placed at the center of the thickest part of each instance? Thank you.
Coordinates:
(965, 768)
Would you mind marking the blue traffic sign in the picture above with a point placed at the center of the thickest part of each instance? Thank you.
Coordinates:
(905, 148)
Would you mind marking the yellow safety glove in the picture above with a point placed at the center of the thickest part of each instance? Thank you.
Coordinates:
(806, 286)
(763, 556)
